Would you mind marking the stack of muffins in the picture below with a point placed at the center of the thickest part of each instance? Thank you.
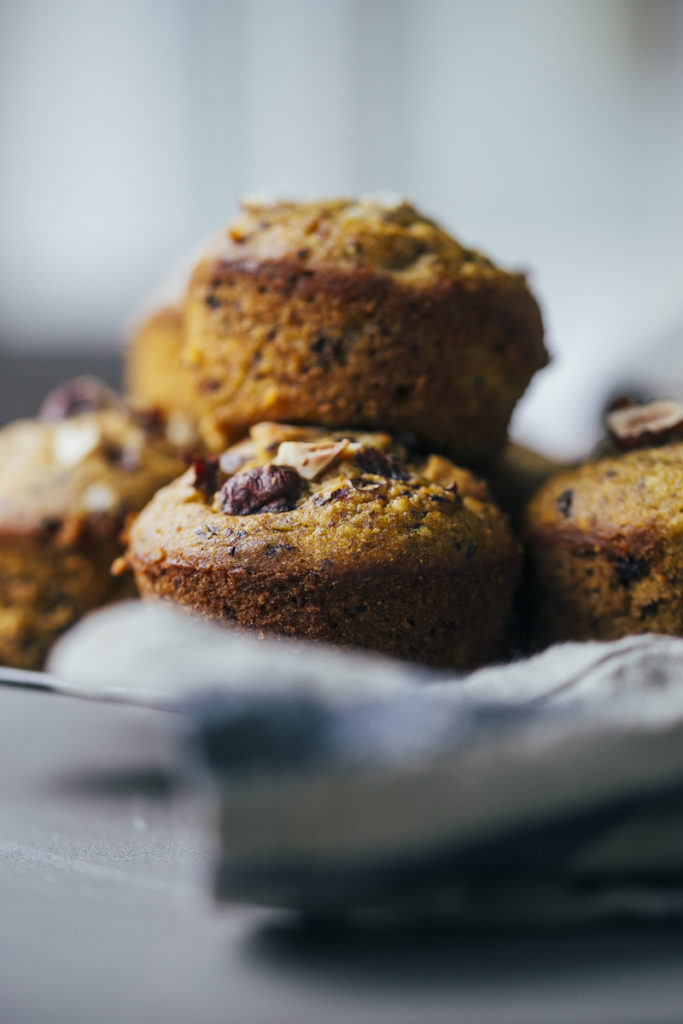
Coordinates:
(333, 358)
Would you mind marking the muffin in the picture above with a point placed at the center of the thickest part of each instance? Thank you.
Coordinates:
(360, 314)
(155, 375)
(606, 538)
(67, 482)
(343, 537)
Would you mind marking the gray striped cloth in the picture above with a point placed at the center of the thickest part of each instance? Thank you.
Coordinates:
(548, 790)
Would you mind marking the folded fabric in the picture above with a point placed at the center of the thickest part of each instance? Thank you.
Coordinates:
(545, 790)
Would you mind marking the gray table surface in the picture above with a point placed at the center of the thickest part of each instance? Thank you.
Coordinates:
(105, 912)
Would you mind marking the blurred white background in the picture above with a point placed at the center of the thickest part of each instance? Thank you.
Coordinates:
(547, 132)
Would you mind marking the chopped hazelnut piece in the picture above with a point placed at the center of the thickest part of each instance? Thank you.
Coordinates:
(181, 431)
(74, 440)
(643, 426)
(99, 498)
(309, 460)
(440, 471)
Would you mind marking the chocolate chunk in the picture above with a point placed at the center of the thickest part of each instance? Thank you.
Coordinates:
(82, 394)
(328, 350)
(264, 489)
(371, 460)
(564, 503)
(206, 530)
(649, 609)
(122, 458)
(336, 495)
(151, 421)
(275, 549)
(630, 570)
(205, 474)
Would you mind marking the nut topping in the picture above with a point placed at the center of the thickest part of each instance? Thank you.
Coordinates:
(99, 498)
(642, 426)
(441, 471)
(264, 489)
(180, 431)
(74, 441)
(82, 394)
(309, 460)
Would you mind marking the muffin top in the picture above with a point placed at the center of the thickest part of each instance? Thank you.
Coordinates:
(640, 490)
(388, 237)
(85, 462)
(298, 498)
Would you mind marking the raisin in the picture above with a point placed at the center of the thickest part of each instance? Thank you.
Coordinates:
(564, 503)
(205, 474)
(371, 460)
(264, 489)
(630, 570)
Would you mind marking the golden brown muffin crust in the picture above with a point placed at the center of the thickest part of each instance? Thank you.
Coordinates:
(97, 466)
(66, 488)
(391, 238)
(607, 545)
(351, 313)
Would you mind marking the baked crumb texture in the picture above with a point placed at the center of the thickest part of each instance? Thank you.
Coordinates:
(344, 537)
(606, 541)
